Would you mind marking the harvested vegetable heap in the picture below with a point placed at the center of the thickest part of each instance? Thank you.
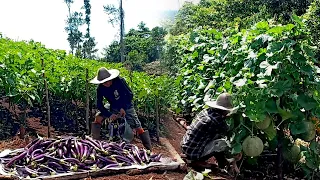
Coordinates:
(43, 157)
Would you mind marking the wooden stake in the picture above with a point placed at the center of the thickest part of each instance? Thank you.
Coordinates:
(47, 98)
(87, 102)
(157, 118)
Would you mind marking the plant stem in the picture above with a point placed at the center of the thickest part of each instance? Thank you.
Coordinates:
(280, 124)
(247, 128)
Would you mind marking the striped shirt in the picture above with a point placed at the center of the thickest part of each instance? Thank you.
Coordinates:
(206, 126)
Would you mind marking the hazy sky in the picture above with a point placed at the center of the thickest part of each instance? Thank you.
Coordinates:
(44, 20)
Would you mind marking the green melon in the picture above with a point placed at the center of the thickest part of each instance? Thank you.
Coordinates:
(292, 154)
(310, 134)
(264, 124)
(252, 146)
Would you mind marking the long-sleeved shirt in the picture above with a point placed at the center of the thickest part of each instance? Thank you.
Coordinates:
(203, 129)
(119, 95)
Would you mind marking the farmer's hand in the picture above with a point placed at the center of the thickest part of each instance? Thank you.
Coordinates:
(122, 112)
(113, 117)
(238, 156)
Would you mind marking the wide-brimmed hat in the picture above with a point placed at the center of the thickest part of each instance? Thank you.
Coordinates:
(105, 75)
(223, 102)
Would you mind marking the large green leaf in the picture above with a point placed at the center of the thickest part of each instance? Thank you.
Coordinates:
(281, 87)
(297, 128)
(306, 102)
(271, 106)
(237, 148)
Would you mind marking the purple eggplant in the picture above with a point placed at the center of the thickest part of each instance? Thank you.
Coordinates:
(32, 142)
(115, 146)
(73, 153)
(85, 153)
(92, 141)
(16, 158)
(136, 154)
(35, 152)
(60, 153)
(93, 154)
(55, 165)
(145, 155)
(106, 160)
(53, 144)
(156, 157)
(119, 158)
(34, 146)
(46, 143)
(111, 166)
(130, 156)
(31, 172)
(71, 160)
(89, 162)
(91, 144)
(38, 157)
(122, 144)
(51, 171)
(80, 149)
(54, 159)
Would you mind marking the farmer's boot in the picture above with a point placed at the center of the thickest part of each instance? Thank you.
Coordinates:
(145, 138)
(95, 130)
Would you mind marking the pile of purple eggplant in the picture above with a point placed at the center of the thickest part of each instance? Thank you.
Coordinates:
(45, 156)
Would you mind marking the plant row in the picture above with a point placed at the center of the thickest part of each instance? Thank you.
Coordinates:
(270, 70)
(25, 65)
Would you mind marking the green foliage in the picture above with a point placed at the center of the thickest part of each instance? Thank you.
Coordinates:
(146, 42)
(269, 69)
(21, 76)
(313, 22)
(136, 60)
(219, 14)
(282, 10)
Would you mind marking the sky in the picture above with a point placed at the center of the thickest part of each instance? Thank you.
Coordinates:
(44, 20)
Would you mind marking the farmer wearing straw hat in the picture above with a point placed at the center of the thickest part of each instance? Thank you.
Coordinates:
(204, 137)
(119, 95)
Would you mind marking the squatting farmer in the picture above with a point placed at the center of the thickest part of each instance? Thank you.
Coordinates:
(119, 95)
(204, 137)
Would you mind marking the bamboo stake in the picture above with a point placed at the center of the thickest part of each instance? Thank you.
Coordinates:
(87, 102)
(47, 98)
(157, 118)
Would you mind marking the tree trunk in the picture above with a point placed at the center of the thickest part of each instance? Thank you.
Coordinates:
(121, 32)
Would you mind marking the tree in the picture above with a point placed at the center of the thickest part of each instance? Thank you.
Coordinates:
(89, 42)
(112, 52)
(74, 34)
(116, 15)
(140, 40)
(69, 2)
